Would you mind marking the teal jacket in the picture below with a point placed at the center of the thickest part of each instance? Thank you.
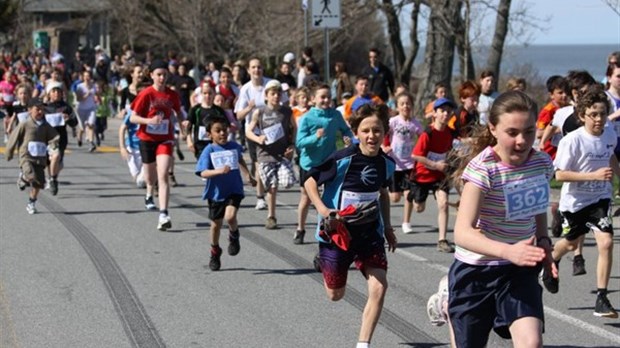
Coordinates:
(312, 150)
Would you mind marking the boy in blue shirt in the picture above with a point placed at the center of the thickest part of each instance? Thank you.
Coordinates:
(219, 163)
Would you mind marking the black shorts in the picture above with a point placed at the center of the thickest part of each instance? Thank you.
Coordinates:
(303, 175)
(419, 192)
(482, 298)
(400, 181)
(597, 215)
(218, 209)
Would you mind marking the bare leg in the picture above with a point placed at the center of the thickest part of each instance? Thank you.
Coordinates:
(377, 287)
(163, 163)
(302, 210)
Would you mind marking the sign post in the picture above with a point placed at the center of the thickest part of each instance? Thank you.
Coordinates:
(326, 15)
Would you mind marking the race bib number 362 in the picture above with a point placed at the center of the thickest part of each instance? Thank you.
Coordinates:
(526, 198)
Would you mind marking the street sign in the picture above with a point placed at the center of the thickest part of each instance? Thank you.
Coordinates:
(325, 14)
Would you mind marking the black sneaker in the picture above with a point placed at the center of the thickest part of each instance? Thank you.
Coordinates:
(603, 308)
(54, 187)
(299, 237)
(233, 244)
(149, 204)
(316, 262)
(93, 147)
(551, 284)
(214, 263)
(579, 265)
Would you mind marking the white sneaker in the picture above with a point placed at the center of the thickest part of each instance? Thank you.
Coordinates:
(407, 228)
(261, 204)
(436, 307)
(164, 222)
(140, 183)
(30, 208)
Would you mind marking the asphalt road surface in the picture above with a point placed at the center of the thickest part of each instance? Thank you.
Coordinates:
(91, 270)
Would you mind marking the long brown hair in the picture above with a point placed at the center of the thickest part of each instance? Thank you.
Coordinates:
(507, 102)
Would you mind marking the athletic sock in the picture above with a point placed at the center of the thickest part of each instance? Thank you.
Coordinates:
(163, 212)
(601, 292)
(363, 345)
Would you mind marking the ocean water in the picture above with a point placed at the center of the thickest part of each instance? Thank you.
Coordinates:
(545, 60)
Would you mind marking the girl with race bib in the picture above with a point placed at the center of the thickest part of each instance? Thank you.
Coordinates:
(219, 163)
(155, 110)
(501, 233)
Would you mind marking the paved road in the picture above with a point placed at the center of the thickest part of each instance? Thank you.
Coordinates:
(91, 270)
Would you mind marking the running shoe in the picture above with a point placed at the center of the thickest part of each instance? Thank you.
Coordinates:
(92, 148)
(603, 308)
(271, 223)
(164, 222)
(53, 187)
(30, 208)
(47, 184)
(579, 265)
(299, 237)
(444, 246)
(261, 204)
(407, 228)
(551, 284)
(433, 310)
(215, 263)
(149, 204)
(233, 243)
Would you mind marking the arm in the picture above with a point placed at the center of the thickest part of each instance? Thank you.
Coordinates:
(15, 139)
(432, 165)
(470, 237)
(549, 131)
(209, 173)
(312, 190)
(249, 130)
(384, 199)
(244, 168)
(246, 110)
(602, 174)
(121, 141)
(543, 241)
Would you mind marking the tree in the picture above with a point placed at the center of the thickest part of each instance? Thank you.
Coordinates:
(501, 30)
(403, 63)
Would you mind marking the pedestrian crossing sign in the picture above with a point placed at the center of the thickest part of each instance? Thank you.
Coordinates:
(325, 14)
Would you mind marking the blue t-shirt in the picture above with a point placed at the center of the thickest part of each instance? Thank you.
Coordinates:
(220, 187)
(131, 139)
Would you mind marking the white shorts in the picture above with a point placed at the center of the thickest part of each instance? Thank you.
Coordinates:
(86, 117)
(134, 161)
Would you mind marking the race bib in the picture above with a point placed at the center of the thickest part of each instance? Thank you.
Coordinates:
(22, 116)
(158, 129)
(225, 158)
(592, 186)
(202, 133)
(55, 120)
(273, 133)
(8, 98)
(37, 149)
(436, 157)
(526, 198)
(403, 150)
(357, 198)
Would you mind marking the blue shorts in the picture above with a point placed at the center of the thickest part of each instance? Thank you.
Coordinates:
(482, 298)
(335, 262)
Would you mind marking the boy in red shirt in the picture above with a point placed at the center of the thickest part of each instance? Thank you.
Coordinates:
(557, 86)
(429, 173)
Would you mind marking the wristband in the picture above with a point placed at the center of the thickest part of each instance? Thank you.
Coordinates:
(540, 239)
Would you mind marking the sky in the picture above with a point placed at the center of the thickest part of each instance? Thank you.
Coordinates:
(565, 21)
(577, 21)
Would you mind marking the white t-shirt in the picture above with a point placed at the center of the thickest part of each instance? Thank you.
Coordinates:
(580, 151)
(89, 102)
(484, 106)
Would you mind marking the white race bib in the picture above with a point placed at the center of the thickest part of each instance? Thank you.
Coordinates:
(273, 133)
(158, 129)
(592, 186)
(225, 158)
(436, 157)
(37, 149)
(357, 198)
(202, 133)
(403, 150)
(526, 198)
(22, 116)
(56, 119)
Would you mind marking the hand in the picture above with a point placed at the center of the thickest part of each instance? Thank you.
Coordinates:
(184, 126)
(325, 211)
(347, 141)
(524, 253)
(320, 132)
(155, 119)
(225, 170)
(124, 153)
(440, 166)
(65, 117)
(603, 174)
(289, 152)
(252, 182)
(386, 149)
(262, 140)
(191, 147)
(391, 239)
(251, 104)
(548, 262)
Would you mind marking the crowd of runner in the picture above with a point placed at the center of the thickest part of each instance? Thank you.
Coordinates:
(353, 145)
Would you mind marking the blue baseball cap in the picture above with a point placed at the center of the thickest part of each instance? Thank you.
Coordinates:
(443, 101)
(359, 102)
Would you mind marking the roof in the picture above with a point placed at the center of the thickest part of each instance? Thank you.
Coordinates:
(63, 6)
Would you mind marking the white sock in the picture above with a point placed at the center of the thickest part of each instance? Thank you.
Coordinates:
(363, 345)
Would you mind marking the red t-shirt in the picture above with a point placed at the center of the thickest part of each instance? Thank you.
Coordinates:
(151, 102)
(545, 117)
(435, 148)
